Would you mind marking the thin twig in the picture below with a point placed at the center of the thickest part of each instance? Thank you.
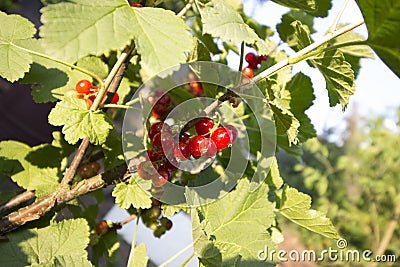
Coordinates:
(111, 83)
(390, 228)
(303, 54)
(126, 220)
(185, 9)
(176, 255)
(17, 200)
(38, 209)
(335, 22)
(187, 260)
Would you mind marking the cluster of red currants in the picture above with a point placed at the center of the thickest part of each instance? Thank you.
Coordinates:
(253, 60)
(153, 219)
(134, 4)
(165, 155)
(85, 90)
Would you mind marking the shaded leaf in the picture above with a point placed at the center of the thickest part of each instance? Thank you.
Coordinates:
(383, 23)
(60, 244)
(307, 5)
(38, 167)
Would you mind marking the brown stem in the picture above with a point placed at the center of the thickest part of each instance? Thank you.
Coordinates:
(390, 228)
(126, 220)
(17, 200)
(185, 9)
(62, 195)
(112, 89)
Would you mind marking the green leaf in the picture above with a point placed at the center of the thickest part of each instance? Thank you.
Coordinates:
(307, 5)
(207, 252)
(223, 21)
(170, 210)
(78, 122)
(72, 30)
(285, 121)
(40, 166)
(337, 72)
(133, 194)
(138, 256)
(230, 221)
(339, 76)
(298, 96)
(199, 52)
(323, 6)
(155, 26)
(353, 50)
(69, 37)
(383, 23)
(108, 246)
(287, 31)
(274, 178)
(296, 207)
(15, 36)
(60, 244)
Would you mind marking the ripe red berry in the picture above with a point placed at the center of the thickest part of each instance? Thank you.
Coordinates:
(262, 58)
(252, 59)
(171, 163)
(164, 175)
(83, 87)
(159, 110)
(196, 87)
(221, 138)
(164, 141)
(182, 151)
(233, 133)
(115, 99)
(157, 128)
(146, 170)
(210, 148)
(101, 228)
(248, 72)
(195, 145)
(155, 155)
(185, 138)
(203, 126)
(135, 5)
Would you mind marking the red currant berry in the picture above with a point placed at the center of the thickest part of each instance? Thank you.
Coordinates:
(168, 225)
(101, 228)
(196, 87)
(171, 164)
(203, 126)
(157, 128)
(135, 5)
(146, 170)
(162, 178)
(159, 110)
(260, 59)
(83, 87)
(252, 59)
(185, 138)
(182, 151)
(164, 141)
(248, 72)
(233, 133)
(196, 146)
(155, 155)
(221, 138)
(115, 99)
(210, 148)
